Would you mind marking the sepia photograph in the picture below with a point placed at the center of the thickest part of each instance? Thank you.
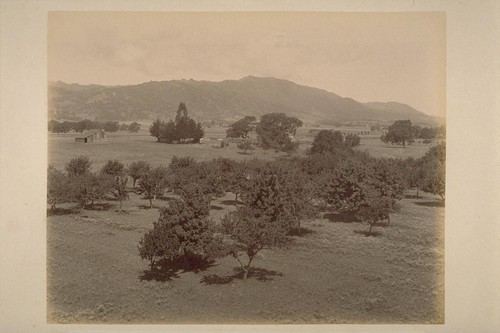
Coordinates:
(246, 167)
(241, 166)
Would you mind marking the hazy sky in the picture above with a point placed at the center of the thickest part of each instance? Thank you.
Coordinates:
(369, 57)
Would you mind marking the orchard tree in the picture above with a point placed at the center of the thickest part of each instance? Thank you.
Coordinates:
(274, 130)
(57, 187)
(137, 169)
(181, 231)
(249, 232)
(234, 176)
(401, 132)
(434, 165)
(280, 191)
(89, 187)
(78, 166)
(343, 187)
(116, 169)
(153, 183)
(241, 128)
(113, 168)
(375, 210)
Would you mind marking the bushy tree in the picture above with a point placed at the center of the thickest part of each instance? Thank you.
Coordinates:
(250, 232)
(155, 129)
(234, 175)
(434, 166)
(241, 128)
(343, 187)
(401, 132)
(153, 183)
(111, 126)
(181, 230)
(134, 127)
(280, 191)
(352, 140)
(245, 145)
(113, 168)
(57, 187)
(78, 166)
(123, 127)
(199, 178)
(274, 130)
(137, 169)
(327, 141)
(89, 187)
(375, 210)
(116, 169)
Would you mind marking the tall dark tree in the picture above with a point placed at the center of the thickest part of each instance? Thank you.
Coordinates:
(155, 129)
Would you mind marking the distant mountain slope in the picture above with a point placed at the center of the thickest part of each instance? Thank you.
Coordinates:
(227, 100)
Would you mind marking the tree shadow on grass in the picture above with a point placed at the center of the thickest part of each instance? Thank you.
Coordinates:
(430, 203)
(146, 206)
(337, 217)
(366, 233)
(413, 196)
(214, 207)
(230, 202)
(167, 269)
(260, 274)
(300, 232)
(99, 206)
(61, 211)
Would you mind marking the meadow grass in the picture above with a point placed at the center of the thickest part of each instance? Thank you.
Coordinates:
(330, 274)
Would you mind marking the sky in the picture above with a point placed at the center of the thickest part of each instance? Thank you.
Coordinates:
(365, 56)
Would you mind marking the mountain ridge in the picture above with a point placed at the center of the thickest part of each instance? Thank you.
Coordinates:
(226, 100)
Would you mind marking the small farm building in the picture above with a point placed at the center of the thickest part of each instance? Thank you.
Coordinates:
(92, 136)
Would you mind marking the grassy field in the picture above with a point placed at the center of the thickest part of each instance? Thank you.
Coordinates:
(331, 274)
(128, 147)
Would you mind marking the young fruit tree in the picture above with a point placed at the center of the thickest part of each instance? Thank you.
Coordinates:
(137, 169)
(182, 231)
(57, 187)
(153, 183)
(249, 232)
(375, 210)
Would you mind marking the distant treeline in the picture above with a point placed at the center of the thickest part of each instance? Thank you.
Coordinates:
(55, 126)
